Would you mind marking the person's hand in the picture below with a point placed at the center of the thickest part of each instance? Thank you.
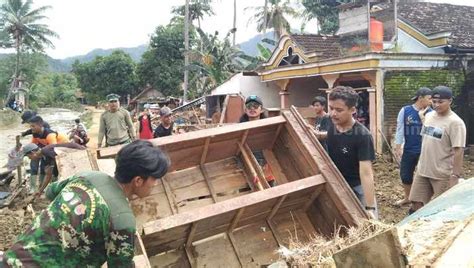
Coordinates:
(398, 153)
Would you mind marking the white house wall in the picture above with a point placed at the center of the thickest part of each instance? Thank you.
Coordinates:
(410, 45)
(250, 85)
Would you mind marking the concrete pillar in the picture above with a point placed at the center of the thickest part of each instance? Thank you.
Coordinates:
(330, 79)
(379, 86)
(284, 94)
(373, 112)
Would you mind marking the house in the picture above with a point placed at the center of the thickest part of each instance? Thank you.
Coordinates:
(150, 95)
(386, 69)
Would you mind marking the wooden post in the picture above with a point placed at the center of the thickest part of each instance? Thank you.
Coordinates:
(18, 169)
(249, 165)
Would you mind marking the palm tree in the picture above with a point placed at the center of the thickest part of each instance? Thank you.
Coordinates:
(275, 16)
(216, 62)
(22, 24)
(197, 10)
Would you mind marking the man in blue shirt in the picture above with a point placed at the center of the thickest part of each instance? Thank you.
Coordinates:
(409, 124)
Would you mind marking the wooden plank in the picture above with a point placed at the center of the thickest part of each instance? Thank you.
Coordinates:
(231, 205)
(280, 177)
(144, 261)
(208, 182)
(382, 250)
(256, 166)
(18, 169)
(224, 110)
(206, 148)
(275, 232)
(242, 140)
(277, 133)
(256, 244)
(276, 207)
(234, 247)
(169, 196)
(93, 160)
(305, 223)
(190, 256)
(71, 161)
(235, 220)
(313, 197)
(201, 134)
(248, 163)
(189, 241)
(459, 253)
(216, 252)
(172, 259)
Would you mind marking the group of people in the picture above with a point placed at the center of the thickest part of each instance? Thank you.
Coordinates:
(116, 124)
(429, 142)
(16, 105)
(90, 222)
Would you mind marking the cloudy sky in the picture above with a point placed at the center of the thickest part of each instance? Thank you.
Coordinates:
(87, 24)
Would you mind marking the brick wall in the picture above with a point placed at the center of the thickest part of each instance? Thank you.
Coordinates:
(400, 86)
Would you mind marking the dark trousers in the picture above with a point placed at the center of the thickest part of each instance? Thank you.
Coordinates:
(407, 167)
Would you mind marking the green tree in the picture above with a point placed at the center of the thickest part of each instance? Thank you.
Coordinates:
(104, 75)
(162, 65)
(51, 89)
(275, 16)
(197, 10)
(34, 64)
(217, 61)
(23, 26)
(264, 53)
(325, 11)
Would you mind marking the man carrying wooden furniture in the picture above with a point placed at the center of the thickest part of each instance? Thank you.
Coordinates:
(89, 221)
(351, 147)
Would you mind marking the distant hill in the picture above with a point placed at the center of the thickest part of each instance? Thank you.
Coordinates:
(134, 52)
(65, 65)
(249, 47)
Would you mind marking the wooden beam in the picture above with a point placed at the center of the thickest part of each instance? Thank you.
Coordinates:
(233, 204)
(18, 169)
(235, 220)
(192, 231)
(92, 160)
(190, 256)
(313, 197)
(143, 250)
(277, 171)
(275, 233)
(169, 196)
(204, 152)
(248, 163)
(242, 140)
(202, 134)
(276, 207)
(234, 247)
(305, 223)
(257, 167)
(224, 110)
(208, 182)
(277, 133)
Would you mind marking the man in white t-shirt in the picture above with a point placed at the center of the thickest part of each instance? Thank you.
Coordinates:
(441, 158)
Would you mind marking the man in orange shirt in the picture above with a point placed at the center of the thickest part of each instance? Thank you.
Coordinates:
(42, 136)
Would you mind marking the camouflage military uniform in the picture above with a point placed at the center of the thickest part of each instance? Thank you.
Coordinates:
(88, 223)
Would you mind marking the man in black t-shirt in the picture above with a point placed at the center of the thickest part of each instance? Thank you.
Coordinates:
(165, 128)
(351, 147)
(322, 119)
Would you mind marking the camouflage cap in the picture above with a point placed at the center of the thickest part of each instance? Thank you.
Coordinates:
(113, 97)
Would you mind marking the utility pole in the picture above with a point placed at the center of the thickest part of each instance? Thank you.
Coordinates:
(186, 50)
(235, 22)
(395, 22)
(265, 9)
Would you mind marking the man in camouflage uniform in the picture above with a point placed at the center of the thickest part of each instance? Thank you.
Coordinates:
(90, 221)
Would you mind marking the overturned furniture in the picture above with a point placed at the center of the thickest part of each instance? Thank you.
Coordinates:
(207, 211)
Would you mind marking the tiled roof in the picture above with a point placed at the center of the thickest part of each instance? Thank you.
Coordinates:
(430, 18)
(325, 46)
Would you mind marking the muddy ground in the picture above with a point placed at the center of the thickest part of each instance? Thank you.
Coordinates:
(389, 189)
